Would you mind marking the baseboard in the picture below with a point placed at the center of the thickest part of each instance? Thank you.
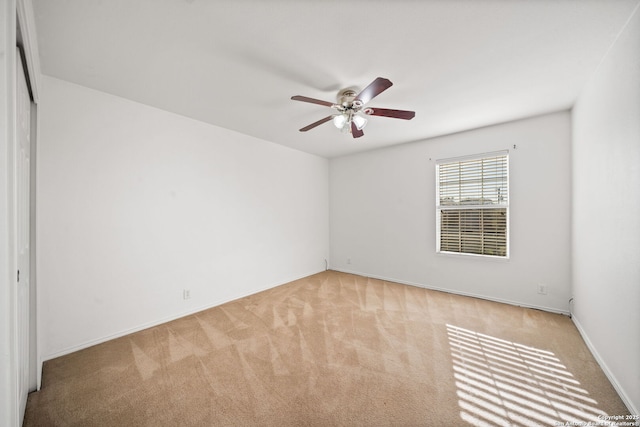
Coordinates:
(612, 379)
(450, 291)
(153, 323)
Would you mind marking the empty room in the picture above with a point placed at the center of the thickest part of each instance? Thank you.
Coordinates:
(318, 213)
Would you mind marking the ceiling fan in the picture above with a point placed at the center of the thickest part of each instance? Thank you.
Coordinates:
(350, 106)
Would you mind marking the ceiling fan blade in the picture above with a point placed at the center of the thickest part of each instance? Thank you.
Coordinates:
(357, 133)
(374, 89)
(312, 100)
(314, 124)
(395, 114)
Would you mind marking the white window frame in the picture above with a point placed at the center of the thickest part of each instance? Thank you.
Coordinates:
(503, 204)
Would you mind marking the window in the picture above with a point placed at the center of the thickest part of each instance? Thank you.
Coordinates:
(472, 205)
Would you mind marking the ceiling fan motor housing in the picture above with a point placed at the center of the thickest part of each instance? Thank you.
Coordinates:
(346, 96)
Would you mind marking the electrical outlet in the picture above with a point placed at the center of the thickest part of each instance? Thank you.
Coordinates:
(186, 293)
(348, 260)
(542, 289)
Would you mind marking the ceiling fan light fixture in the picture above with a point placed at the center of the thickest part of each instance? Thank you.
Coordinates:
(359, 121)
(340, 120)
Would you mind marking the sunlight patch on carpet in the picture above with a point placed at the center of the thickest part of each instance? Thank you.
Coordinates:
(502, 383)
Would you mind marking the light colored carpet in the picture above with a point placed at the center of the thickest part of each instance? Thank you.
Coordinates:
(334, 349)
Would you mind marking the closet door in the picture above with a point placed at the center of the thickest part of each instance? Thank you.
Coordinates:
(22, 202)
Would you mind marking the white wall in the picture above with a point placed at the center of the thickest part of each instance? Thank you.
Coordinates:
(606, 219)
(382, 214)
(135, 204)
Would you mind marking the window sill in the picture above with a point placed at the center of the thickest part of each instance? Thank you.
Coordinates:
(473, 256)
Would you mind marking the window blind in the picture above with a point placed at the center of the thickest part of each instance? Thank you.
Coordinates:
(472, 204)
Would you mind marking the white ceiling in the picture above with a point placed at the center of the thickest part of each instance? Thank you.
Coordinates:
(460, 64)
